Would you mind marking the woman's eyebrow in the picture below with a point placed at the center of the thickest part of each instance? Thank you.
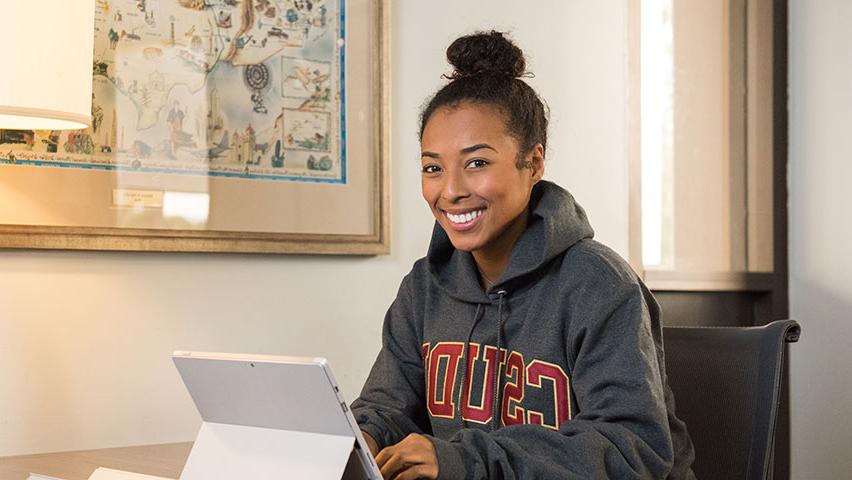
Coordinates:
(476, 147)
(464, 150)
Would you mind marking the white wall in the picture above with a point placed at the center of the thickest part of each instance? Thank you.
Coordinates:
(85, 337)
(820, 170)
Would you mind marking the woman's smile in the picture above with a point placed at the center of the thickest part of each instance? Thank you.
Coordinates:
(464, 220)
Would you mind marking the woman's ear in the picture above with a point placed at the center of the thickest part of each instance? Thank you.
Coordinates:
(536, 162)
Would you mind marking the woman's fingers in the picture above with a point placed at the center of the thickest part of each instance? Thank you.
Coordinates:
(392, 466)
(416, 472)
(413, 457)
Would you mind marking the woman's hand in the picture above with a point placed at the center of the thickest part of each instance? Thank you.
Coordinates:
(371, 443)
(412, 458)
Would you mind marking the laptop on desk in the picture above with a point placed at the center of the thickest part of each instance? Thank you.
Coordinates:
(270, 417)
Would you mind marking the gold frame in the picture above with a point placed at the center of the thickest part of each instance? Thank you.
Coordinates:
(157, 240)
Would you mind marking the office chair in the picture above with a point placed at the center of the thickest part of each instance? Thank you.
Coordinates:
(726, 382)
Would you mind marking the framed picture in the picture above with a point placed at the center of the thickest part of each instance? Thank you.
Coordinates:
(218, 126)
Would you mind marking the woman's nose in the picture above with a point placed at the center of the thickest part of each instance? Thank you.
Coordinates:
(455, 186)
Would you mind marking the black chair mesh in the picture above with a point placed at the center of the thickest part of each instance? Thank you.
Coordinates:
(726, 382)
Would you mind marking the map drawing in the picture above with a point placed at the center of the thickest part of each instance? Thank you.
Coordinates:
(234, 88)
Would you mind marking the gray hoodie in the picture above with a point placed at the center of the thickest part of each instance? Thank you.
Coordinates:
(579, 389)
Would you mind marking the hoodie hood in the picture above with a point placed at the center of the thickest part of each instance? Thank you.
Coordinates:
(556, 222)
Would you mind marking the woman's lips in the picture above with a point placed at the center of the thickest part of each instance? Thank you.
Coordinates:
(464, 221)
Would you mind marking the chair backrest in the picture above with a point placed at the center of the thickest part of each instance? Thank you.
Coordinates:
(726, 382)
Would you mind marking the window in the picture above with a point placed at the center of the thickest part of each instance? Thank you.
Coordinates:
(705, 143)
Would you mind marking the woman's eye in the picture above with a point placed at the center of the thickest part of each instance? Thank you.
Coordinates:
(477, 163)
(431, 169)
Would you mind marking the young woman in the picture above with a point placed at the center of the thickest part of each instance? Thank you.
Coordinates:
(518, 347)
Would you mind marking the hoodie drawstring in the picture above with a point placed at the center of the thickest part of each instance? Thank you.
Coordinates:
(465, 356)
(495, 419)
(495, 408)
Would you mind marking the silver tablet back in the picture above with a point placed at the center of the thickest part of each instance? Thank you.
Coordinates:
(284, 393)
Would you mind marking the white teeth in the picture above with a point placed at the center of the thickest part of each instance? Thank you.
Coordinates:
(465, 217)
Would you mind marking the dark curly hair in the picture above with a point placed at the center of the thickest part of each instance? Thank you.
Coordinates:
(487, 70)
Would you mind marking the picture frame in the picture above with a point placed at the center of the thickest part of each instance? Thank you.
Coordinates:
(266, 185)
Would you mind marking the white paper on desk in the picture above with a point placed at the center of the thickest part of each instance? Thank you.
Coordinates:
(36, 476)
(109, 474)
(226, 452)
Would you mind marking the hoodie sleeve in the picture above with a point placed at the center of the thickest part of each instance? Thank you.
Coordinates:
(391, 404)
(620, 429)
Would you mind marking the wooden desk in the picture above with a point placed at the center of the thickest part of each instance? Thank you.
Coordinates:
(165, 460)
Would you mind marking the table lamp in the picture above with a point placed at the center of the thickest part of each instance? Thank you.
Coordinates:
(46, 64)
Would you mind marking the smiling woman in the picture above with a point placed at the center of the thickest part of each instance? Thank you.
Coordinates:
(518, 347)
(472, 183)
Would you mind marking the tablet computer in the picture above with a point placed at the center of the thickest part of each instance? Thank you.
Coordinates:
(271, 417)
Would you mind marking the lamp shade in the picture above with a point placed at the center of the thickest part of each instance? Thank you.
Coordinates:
(46, 67)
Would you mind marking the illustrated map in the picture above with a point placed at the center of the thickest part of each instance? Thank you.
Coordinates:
(236, 88)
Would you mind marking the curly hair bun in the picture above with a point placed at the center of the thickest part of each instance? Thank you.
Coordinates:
(485, 53)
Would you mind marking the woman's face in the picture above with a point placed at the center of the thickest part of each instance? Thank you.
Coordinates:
(470, 177)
